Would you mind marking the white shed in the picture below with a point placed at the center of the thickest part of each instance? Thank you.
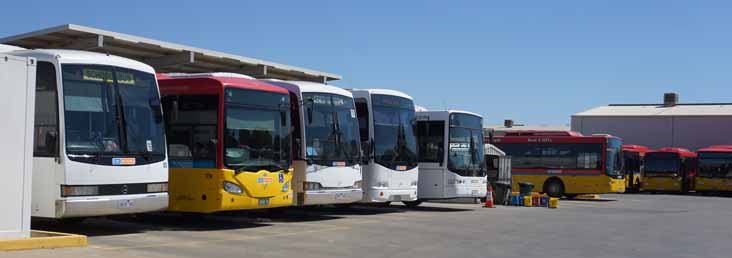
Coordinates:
(689, 125)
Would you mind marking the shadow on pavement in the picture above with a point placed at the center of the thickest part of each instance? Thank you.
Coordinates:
(132, 224)
(588, 200)
(437, 209)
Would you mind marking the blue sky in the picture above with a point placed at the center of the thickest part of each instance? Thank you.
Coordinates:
(536, 62)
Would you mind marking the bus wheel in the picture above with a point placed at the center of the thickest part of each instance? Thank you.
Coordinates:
(383, 204)
(344, 205)
(72, 221)
(554, 187)
(412, 204)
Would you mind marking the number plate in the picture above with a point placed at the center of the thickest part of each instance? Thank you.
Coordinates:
(263, 202)
(126, 204)
(340, 196)
(474, 192)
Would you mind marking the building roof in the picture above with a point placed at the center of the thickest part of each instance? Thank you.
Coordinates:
(165, 57)
(708, 109)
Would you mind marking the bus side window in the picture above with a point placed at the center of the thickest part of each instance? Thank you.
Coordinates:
(362, 111)
(192, 135)
(431, 141)
(296, 127)
(45, 142)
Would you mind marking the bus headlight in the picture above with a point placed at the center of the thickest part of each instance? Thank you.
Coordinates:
(358, 184)
(79, 190)
(230, 187)
(414, 183)
(312, 186)
(285, 187)
(157, 188)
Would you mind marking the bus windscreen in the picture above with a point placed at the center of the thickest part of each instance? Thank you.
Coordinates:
(715, 164)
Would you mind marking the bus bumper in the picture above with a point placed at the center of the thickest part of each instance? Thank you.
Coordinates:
(617, 185)
(466, 192)
(390, 195)
(110, 205)
(333, 196)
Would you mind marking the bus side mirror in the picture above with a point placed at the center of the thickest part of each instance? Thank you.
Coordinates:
(310, 115)
(297, 150)
(52, 143)
(362, 156)
(174, 110)
(441, 155)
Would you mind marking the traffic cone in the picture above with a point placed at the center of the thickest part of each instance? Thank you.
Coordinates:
(489, 197)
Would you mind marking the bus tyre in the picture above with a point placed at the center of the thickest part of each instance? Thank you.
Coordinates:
(412, 204)
(72, 221)
(554, 188)
(383, 204)
(344, 205)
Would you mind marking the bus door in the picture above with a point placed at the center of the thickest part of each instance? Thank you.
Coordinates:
(688, 174)
(432, 165)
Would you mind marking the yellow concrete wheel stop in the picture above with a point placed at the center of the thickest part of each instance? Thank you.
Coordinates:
(44, 240)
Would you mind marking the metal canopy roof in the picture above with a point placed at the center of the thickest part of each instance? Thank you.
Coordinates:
(163, 56)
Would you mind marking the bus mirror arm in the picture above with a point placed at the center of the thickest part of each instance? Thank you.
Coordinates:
(441, 154)
(174, 110)
(372, 149)
(52, 144)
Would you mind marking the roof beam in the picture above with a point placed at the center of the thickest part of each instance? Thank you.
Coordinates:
(84, 43)
(258, 71)
(185, 57)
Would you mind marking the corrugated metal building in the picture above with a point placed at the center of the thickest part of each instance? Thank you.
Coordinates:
(690, 125)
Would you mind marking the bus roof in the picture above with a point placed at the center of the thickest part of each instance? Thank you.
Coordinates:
(543, 133)
(635, 148)
(549, 136)
(211, 83)
(681, 151)
(382, 92)
(716, 148)
(299, 87)
(450, 111)
(83, 57)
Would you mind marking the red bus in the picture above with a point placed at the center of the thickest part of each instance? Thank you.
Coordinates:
(714, 169)
(669, 169)
(229, 142)
(564, 163)
(633, 165)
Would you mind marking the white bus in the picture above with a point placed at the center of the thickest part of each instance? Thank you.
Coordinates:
(99, 143)
(327, 151)
(386, 120)
(451, 160)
